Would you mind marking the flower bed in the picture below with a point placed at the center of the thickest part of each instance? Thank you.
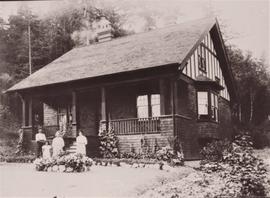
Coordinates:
(18, 159)
(133, 163)
(64, 163)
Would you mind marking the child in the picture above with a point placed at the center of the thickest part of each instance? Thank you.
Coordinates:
(46, 150)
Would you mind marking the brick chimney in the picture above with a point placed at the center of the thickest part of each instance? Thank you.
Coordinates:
(104, 30)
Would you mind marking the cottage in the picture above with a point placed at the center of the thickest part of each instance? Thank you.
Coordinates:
(167, 83)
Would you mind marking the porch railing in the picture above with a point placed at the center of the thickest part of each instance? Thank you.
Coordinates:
(133, 126)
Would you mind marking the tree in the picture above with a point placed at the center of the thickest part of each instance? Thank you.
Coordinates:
(253, 83)
(51, 37)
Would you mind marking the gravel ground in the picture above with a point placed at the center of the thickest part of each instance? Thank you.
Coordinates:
(21, 180)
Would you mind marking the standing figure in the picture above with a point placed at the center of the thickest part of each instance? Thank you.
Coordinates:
(57, 144)
(46, 151)
(81, 141)
(40, 139)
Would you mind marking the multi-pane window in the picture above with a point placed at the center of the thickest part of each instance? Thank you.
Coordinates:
(207, 105)
(202, 104)
(155, 105)
(142, 106)
(148, 106)
(201, 58)
(214, 107)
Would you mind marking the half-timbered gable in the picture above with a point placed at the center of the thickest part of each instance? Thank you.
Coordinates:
(205, 61)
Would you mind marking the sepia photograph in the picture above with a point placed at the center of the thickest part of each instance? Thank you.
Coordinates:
(135, 99)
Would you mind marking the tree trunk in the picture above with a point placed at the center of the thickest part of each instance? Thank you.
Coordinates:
(251, 105)
(240, 113)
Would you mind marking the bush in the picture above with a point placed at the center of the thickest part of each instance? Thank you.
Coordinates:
(213, 152)
(69, 163)
(20, 159)
(108, 143)
(245, 167)
(169, 155)
(243, 173)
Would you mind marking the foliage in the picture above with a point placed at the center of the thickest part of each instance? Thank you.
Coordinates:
(245, 167)
(24, 158)
(243, 173)
(252, 81)
(213, 151)
(169, 155)
(108, 143)
(70, 163)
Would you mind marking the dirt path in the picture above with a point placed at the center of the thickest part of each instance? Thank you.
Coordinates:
(21, 180)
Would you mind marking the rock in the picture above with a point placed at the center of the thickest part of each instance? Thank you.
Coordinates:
(55, 168)
(69, 169)
(166, 167)
(135, 165)
(141, 165)
(62, 168)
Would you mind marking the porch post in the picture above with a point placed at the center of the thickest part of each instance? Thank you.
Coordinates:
(74, 112)
(162, 89)
(103, 123)
(103, 104)
(176, 105)
(30, 112)
(172, 89)
(23, 111)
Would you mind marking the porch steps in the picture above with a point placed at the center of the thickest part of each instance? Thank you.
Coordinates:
(72, 148)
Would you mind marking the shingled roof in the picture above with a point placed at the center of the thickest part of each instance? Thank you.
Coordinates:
(155, 48)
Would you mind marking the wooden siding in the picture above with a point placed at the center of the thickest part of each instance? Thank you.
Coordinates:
(213, 68)
(88, 112)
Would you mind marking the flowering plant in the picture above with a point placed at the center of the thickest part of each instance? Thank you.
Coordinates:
(108, 143)
(68, 162)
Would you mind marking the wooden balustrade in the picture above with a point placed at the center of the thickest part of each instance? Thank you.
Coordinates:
(133, 126)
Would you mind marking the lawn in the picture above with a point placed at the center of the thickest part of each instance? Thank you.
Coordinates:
(21, 180)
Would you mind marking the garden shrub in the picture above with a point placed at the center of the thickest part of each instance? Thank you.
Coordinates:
(68, 163)
(243, 173)
(246, 168)
(108, 143)
(213, 152)
(168, 154)
(20, 158)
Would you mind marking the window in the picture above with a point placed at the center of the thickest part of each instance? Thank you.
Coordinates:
(202, 104)
(155, 105)
(207, 105)
(201, 59)
(214, 107)
(148, 105)
(142, 106)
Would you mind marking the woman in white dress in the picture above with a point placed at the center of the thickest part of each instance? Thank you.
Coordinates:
(81, 141)
(57, 144)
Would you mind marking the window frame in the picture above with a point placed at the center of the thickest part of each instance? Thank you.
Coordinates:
(149, 105)
(209, 116)
(202, 58)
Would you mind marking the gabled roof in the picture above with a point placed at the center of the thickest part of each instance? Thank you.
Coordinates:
(169, 45)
